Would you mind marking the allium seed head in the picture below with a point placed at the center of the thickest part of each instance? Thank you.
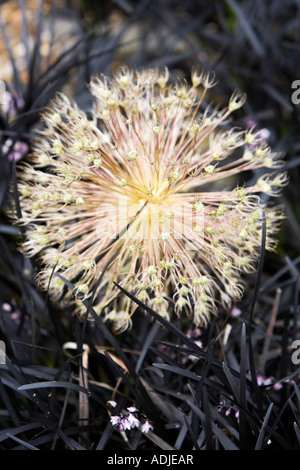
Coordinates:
(136, 187)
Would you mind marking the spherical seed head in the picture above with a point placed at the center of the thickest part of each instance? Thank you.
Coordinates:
(134, 188)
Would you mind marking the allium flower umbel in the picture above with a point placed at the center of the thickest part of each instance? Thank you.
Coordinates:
(151, 185)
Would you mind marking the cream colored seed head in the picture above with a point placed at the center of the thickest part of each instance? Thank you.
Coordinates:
(140, 188)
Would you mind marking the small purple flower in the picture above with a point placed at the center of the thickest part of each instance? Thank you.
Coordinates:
(16, 150)
(124, 424)
(220, 406)
(146, 427)
(262, 135)
(236, 312)
(133, 420)
(227, 409)
(194, 333)
(115, 420)
(11, 104)
(129, 420)
(132, 409)
(260, 380)
(268, 381)
(250, 122)
(7, 307)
